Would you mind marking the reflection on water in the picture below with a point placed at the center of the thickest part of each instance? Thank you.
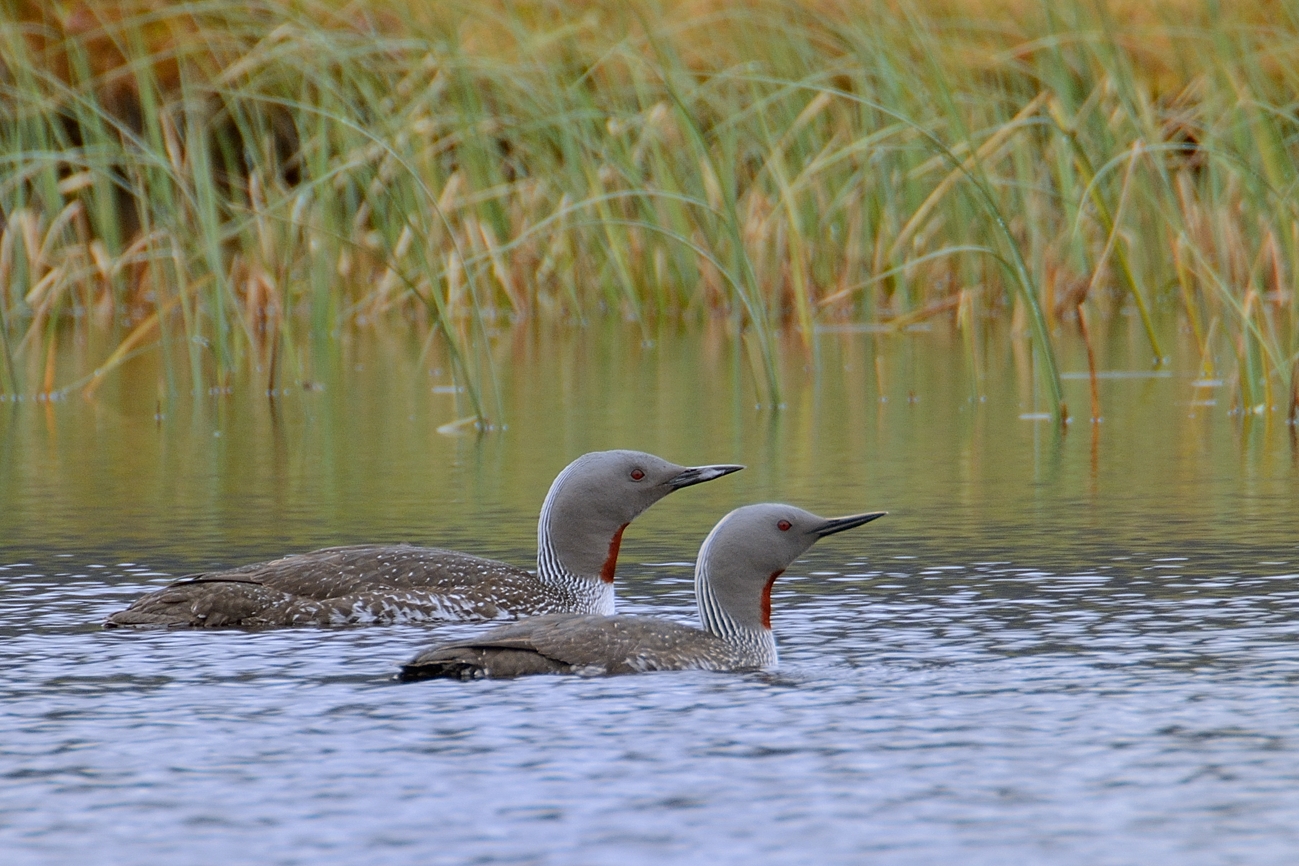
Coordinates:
(1074, 649)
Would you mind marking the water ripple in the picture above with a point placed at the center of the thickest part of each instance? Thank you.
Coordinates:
(1110, 715)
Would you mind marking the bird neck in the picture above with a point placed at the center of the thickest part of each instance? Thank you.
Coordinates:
(748, 632)
(576, 555)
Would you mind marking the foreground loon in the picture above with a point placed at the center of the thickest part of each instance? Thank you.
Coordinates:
(578, 534)
(738, 563)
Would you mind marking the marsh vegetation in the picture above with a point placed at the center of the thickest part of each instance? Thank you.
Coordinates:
(234, 185)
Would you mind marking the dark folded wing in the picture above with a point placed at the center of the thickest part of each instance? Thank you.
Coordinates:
(339, 571)
(564, 643)
(361, 583)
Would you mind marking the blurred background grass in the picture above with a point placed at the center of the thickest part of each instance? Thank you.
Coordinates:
(234, 185)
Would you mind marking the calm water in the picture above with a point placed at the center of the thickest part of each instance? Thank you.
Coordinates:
(1078, 649)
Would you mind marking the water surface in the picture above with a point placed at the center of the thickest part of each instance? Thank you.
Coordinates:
(1072, 648)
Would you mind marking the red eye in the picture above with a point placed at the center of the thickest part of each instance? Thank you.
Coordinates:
(783, 525)
(637, 474)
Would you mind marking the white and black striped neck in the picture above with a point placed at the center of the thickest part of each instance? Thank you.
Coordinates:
(754, 643)
(564, 561)
(585, 593)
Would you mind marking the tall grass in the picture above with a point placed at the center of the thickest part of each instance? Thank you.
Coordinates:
(234, 184)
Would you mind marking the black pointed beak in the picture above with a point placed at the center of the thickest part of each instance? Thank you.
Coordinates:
(700, 474)
(839, 524)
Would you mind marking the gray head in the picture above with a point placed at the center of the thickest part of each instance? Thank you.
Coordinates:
(745, 553)
(594, 499)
